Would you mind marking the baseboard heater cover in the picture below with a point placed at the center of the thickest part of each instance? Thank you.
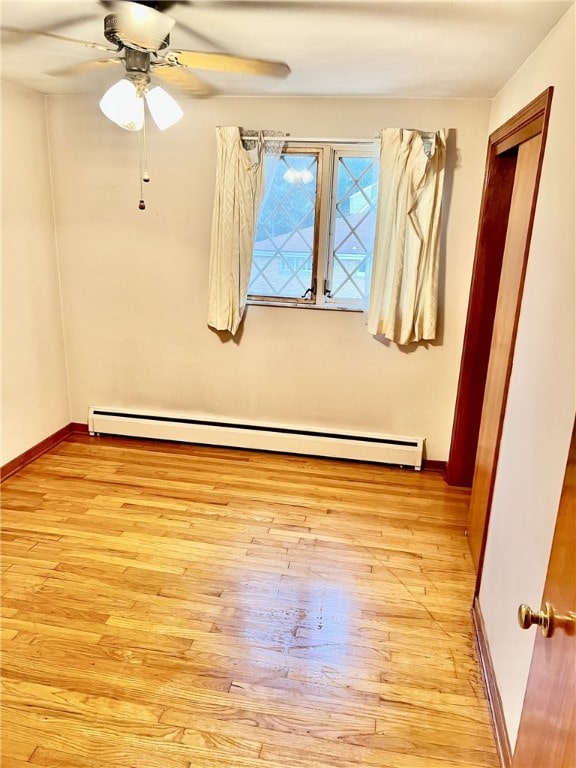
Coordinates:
(385, 449)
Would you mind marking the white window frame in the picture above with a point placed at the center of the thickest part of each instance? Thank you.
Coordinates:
(328, 155)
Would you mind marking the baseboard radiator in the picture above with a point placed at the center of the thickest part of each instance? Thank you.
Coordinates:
(385, 449)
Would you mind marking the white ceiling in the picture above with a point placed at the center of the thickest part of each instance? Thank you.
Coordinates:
(463, 48)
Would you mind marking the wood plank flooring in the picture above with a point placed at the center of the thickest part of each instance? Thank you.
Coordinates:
(171, 606)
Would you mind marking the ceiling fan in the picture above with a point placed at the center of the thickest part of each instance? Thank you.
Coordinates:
(140, 34)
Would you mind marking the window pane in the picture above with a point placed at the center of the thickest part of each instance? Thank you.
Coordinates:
(353, 227)
(284, 242)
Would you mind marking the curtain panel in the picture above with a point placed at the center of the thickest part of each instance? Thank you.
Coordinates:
(239, 185)
(404, 292)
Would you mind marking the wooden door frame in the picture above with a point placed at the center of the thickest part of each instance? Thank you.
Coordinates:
(490, 241)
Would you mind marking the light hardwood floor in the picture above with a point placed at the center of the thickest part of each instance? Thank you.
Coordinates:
(169, 606)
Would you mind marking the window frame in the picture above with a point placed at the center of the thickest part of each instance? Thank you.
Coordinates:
(336, 153)
(304, 300)
(325, 205)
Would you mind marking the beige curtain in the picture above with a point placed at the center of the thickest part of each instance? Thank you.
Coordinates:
(239, 184)
(404, 291)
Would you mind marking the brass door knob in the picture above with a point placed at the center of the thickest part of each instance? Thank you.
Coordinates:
(543, 618)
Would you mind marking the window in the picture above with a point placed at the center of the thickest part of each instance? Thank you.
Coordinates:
(315, 235)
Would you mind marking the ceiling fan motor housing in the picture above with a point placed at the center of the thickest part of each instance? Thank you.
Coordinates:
(136, 61)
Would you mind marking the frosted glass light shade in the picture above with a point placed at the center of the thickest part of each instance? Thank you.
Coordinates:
(164, 109)
(123, 106)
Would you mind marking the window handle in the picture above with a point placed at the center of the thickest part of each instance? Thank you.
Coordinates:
(311, 290)
(327, 291)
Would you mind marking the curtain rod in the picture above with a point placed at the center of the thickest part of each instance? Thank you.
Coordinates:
(315, 140)
(330, 140)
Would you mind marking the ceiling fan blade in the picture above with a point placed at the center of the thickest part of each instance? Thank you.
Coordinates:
(224, 62)
(199, 35)
(69, 22)
(184, 80)
(162, 5)
(84, 66)
(42, 33)
(333, 6)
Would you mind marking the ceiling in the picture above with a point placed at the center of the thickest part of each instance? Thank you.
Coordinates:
(458, 49)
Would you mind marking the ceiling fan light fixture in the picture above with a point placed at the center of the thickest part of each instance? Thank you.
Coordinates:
(123, 106)
(164, 109)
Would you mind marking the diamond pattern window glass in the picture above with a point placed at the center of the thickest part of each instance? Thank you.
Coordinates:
(315, 233)
(285, 240)
(353, 221)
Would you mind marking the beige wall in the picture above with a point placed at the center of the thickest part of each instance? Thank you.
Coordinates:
(540, 408)
(34, 390)
(135, 283)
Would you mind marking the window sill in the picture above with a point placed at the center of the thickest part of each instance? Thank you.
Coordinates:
(300, 305)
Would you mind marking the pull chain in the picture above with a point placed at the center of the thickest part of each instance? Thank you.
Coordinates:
(145, 176)
(141, 204)
(143, 162)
